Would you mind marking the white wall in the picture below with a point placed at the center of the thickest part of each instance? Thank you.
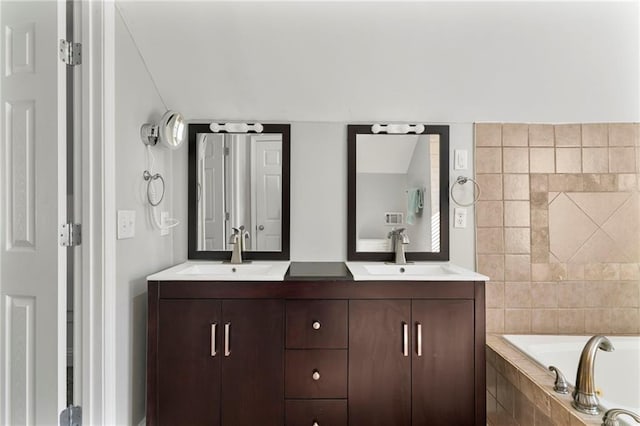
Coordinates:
(137, 102)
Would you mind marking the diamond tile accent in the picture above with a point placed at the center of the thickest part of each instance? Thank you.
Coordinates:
(569, 227)
(624, 227)
(599, 205)
(599, 248)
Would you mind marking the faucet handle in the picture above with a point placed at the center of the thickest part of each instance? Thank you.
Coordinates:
(611, 416)
(560, 386)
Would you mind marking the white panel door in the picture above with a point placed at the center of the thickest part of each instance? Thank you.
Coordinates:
(212, 193)
(268, 192)
(32, 271)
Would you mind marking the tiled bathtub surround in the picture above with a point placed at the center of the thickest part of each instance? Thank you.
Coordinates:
(519, 391)
(558, 226)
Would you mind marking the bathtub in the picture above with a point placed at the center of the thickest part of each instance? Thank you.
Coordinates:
(617, 373)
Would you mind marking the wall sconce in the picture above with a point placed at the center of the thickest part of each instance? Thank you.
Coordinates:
(236, 127)
(171, 131)
(397, 128)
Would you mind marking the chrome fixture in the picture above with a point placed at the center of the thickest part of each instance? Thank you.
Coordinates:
(560, 386)
(238, 240)
(399, 239)
(171, 131)
(611, 416)
(584, 395)
(236, 127)
(397, 128)
(461, 180)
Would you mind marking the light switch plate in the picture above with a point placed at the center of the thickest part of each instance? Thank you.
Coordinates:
(461, 159)
(126, 224)
(459, 217)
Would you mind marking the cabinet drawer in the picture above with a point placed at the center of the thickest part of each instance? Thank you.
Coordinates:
(324, 412)
(317, 324)
(318, 373)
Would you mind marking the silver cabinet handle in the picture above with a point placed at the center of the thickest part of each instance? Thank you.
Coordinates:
(214, 352)
(316, 375)
(419, 327)
(315, 423)
(316, 325)
(227, 333)
(405, 339)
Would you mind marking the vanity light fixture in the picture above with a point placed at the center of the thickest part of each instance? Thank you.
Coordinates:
(171, 131)
(397, 128)
(236, 127)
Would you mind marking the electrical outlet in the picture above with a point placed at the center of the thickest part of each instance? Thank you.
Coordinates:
(461, 159)
(460, 218)
(164, 218)
(126, 224)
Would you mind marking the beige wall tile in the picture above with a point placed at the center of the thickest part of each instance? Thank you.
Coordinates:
(544, 321)
(593, 271)
(517, 295)
(575, 272)
(539, 254)
(539, 218)
(517, 240)
(571, 321)
(625, 321)
(495, 320)
(488, 134)
(515, 160)
(491, 265)
(523, 410)
(541, 135)
(623, 294)
(544, 295)
(539, 200)
(517, 321)
(516, 213)
(595, 160)
(517, 267)
(624, 134)
(569, 228)
(622, 160)
(490, 186)
(489, 240)
(489, 213)
(542, 160)
(516, 187)
(559, 414)
(571, 294)
(540, 272)
(597, 321)
(494, 293)
(568, 160)
(627, 182)
(624, 227)
(600, 182)
(515, 134)
(539, 182)
(566, 182)
(630, 272)
(567, 134)
(488, 160)
(594, 135)
(558, 271)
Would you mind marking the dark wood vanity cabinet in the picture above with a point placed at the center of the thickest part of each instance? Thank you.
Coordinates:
(401, 354)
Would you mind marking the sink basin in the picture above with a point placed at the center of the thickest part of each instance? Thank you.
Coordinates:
(222, 271)
(418, 271)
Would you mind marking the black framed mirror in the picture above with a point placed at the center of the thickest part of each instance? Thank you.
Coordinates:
(397, 180)
(239, 179)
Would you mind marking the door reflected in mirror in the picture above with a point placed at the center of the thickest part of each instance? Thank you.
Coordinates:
(398, 182)
(241, 181)
(398, 186)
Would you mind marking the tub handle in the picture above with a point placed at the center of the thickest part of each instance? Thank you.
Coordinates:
(610, 417)
(560, 386)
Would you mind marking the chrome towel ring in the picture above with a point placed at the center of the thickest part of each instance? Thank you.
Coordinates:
(461, 180)
(150, 192)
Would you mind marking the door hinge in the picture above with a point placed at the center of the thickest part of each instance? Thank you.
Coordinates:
(226, 150)
(227, 216)
(70, 234)
(70, 53)
(71, 416)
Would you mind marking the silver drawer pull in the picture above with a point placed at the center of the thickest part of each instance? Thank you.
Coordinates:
(316, 325)
(227, 333)
(419, 326)
(214, 326)
(315, 423)
(405, 339)
(316, 375)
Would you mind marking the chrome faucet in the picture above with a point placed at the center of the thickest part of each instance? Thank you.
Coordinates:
(399, 239)
(584, 395)
(237, 239)
(611, 416)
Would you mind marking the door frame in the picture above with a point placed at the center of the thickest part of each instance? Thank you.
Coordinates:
(98, 314)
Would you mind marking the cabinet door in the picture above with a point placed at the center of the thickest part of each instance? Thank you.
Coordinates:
(443, 374)
(188, 371)
(379, 368)
(253, 369)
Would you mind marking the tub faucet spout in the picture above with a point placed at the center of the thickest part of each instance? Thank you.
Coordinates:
(584, 395)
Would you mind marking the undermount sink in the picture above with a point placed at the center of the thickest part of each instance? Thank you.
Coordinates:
(224, 271)
(418, 271)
